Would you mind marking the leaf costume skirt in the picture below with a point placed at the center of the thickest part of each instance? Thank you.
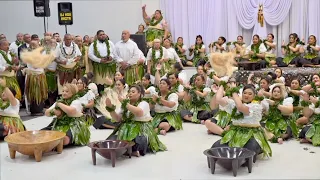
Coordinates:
(101, 71)
(51, 81)
(78, 127)
(280, 126)
(128, 131)
(223, 118)
(313, 132)
(238, 136)
(153, 33)
(134, 73)
(173, 118)
(36, 88)
(12, 123)
(12, 83)
(194, 110)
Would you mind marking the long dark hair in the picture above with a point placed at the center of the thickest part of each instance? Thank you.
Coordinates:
(199, 36)
(139, 88)
(295, 36)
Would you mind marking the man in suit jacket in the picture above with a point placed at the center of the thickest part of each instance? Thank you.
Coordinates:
(20, 75)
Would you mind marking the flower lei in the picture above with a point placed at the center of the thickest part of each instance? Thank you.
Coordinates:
(296, 98)
(213, 44)
(4, 55)
(64, 53)
(274, 112)
(235, 115)
(66, 101)
(175, 87)
(195, 99)
(83, 92)
(154, 54)
(18, 43)
(265, 44)
(315, 90)
(127, 115)
(255, 49)
(47, 49)
(230, 91)
(288, 51)
(177, 49)
(310, 50)
(152, 23)
(95, 48)
(4, 104)
(196, 50)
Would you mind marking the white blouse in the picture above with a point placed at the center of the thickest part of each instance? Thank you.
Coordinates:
(152, 91)
(254, 117)
(12, 109)
(173, 97)
(146, 112)
(286, 102)
(262, 49)
(218, 50)
(172, 54)
(272, 50)
(87, 97)
(75, 104)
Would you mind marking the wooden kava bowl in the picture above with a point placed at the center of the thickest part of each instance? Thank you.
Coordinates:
(35, 143)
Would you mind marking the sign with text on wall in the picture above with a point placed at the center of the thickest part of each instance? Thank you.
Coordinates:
(65, 13)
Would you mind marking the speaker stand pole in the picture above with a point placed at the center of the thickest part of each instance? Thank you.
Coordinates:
(44, 24)
(66, 29)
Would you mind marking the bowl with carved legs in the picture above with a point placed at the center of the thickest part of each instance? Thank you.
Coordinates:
(35, 143)
(230, 158)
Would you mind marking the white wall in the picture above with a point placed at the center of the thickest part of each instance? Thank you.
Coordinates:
(112, 16)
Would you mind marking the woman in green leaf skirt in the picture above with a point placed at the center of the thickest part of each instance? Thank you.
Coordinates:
(245, 130)
(165, 106)
(69, 118)
(87, 97)
(278, 126)
(197, 107)
(135, 122)
(311, 133)
(221, 120)
(10, 121)
(291, 52)
(311, 89)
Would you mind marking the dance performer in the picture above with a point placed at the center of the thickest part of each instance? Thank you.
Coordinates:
(245, 130)
(135, 125)
(69, 118)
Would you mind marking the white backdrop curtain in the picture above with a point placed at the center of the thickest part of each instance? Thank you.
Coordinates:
(214, 18)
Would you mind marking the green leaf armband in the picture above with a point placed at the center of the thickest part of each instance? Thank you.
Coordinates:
(52, 112)
(305, 103)
(224, 84)
(111, 109)
(317, 104)
(232, 90)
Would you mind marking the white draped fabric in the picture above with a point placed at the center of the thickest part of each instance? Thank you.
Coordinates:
(274, 12)
(214, 18)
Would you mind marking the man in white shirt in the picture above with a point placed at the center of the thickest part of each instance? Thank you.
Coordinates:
(68, 54)
(13, 48)
(156, 56)
(127, 53)
(7, 68)
(101, 52)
